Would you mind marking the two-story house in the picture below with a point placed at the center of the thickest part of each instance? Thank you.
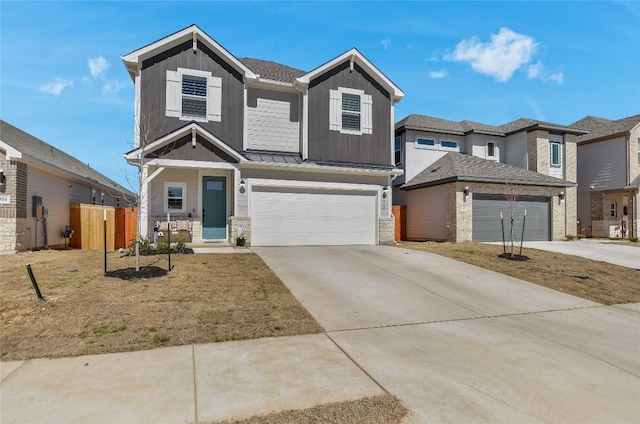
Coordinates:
(458, 175)
(287, 156)
(609, 176)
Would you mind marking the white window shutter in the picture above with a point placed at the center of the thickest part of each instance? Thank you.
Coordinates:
(214, 99)
(335, 110)
(366, 115)
(174, 94)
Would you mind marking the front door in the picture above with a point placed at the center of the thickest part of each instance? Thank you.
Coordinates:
(214, 208)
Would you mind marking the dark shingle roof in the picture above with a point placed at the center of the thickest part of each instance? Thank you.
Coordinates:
(590, 123)
(611, 128)
(41, 151)
(456, 166)
(272, 70)
(429, 123)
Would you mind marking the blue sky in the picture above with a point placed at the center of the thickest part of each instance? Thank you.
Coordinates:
(62, 79)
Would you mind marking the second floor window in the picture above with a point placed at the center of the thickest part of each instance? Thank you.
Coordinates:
(491, 149)
(350, 111)
(555, 154)
(194, 95)
(398, 150)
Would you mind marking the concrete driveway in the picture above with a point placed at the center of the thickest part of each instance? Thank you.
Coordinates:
(598, 250)
(458, 343)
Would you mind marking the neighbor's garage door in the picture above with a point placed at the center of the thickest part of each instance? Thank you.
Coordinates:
(486, 218)
(293, 217)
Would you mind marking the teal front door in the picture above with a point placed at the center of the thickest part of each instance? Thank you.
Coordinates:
(214, 208)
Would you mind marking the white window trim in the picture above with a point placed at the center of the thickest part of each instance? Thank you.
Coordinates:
(396, 150)
(426, 146)
(335, 111)
(165, 197)
(559, 164)
(173, 107)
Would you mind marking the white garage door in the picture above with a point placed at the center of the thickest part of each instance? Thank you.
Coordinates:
(294, 217)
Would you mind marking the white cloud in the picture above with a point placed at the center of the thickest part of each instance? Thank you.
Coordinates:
(112, 87)
(386, 42)
(559, 77)
(97, 65)
(57, 86)
(500, 58)
(534, 71)
(438, 74)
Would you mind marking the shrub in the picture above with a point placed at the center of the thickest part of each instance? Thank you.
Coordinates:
(570, 237)
(633, 239)
(580, 236)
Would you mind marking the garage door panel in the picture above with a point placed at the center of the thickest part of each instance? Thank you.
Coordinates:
(487, 224)
(281, 217)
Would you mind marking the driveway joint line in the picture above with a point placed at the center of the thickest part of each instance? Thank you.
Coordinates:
(344, 352)
(409, 324)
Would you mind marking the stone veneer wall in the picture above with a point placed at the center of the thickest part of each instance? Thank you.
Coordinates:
(386, 230)
(538, 151)
(233, 222)
(11, 214)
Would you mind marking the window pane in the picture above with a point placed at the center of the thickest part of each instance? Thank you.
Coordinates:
(491, 149)
(194, 107)
(351, 122)
(350, 102)
(555, 154)
(398, 143)
(449, 144)
(194, 86)
(174, 203)
(175, 192)
(214, 185)
(426, 142)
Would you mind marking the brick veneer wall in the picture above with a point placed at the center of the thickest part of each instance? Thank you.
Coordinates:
(15, 187)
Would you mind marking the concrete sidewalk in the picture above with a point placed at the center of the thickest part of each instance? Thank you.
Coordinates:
(597, 249)
(182, 384)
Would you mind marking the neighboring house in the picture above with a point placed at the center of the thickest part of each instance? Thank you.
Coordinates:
(609, 176)
(457, 174)
(290, 157)
(38, 179)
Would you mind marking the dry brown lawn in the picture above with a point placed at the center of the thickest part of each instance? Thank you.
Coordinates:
(593, 280)
(206, 298)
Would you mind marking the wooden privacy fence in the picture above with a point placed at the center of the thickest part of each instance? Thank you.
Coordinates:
(400, 214)
(87, 223)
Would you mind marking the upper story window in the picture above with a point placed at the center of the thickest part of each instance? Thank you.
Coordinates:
(556, 157)
(425, 142)
(446, 144)
(175, 197)
(398, 150)
(194, 95)
(491, 149)
(350, 111)
(614, 209)
(639, 151)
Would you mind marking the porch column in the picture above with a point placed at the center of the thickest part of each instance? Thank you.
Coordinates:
(143, 203)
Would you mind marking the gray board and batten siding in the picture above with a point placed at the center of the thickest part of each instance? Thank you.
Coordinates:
(182, 149)
(154, 86)
(332, 146)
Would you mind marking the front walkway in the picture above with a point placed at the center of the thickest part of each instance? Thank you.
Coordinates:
(604, 250)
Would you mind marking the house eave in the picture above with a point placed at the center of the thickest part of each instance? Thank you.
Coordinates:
(193, 32)
(311, 167)
(488, 180)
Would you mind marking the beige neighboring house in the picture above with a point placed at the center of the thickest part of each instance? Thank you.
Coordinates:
(457, 174)
(609, 176)
(37, 184)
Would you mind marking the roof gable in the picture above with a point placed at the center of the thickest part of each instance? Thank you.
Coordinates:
(354, 56)
(31, 148)
(192, 32)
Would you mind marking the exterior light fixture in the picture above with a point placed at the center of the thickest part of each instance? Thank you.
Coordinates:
(242, 189)
(561, 196)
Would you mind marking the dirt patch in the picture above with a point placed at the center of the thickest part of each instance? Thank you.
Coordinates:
(384, 409)
(205, 298)
(593, 280)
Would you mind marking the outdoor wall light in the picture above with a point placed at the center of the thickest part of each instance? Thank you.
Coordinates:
(242, 189)
(384, 192)
(3, 177)
(561, 196)
(465, 191)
